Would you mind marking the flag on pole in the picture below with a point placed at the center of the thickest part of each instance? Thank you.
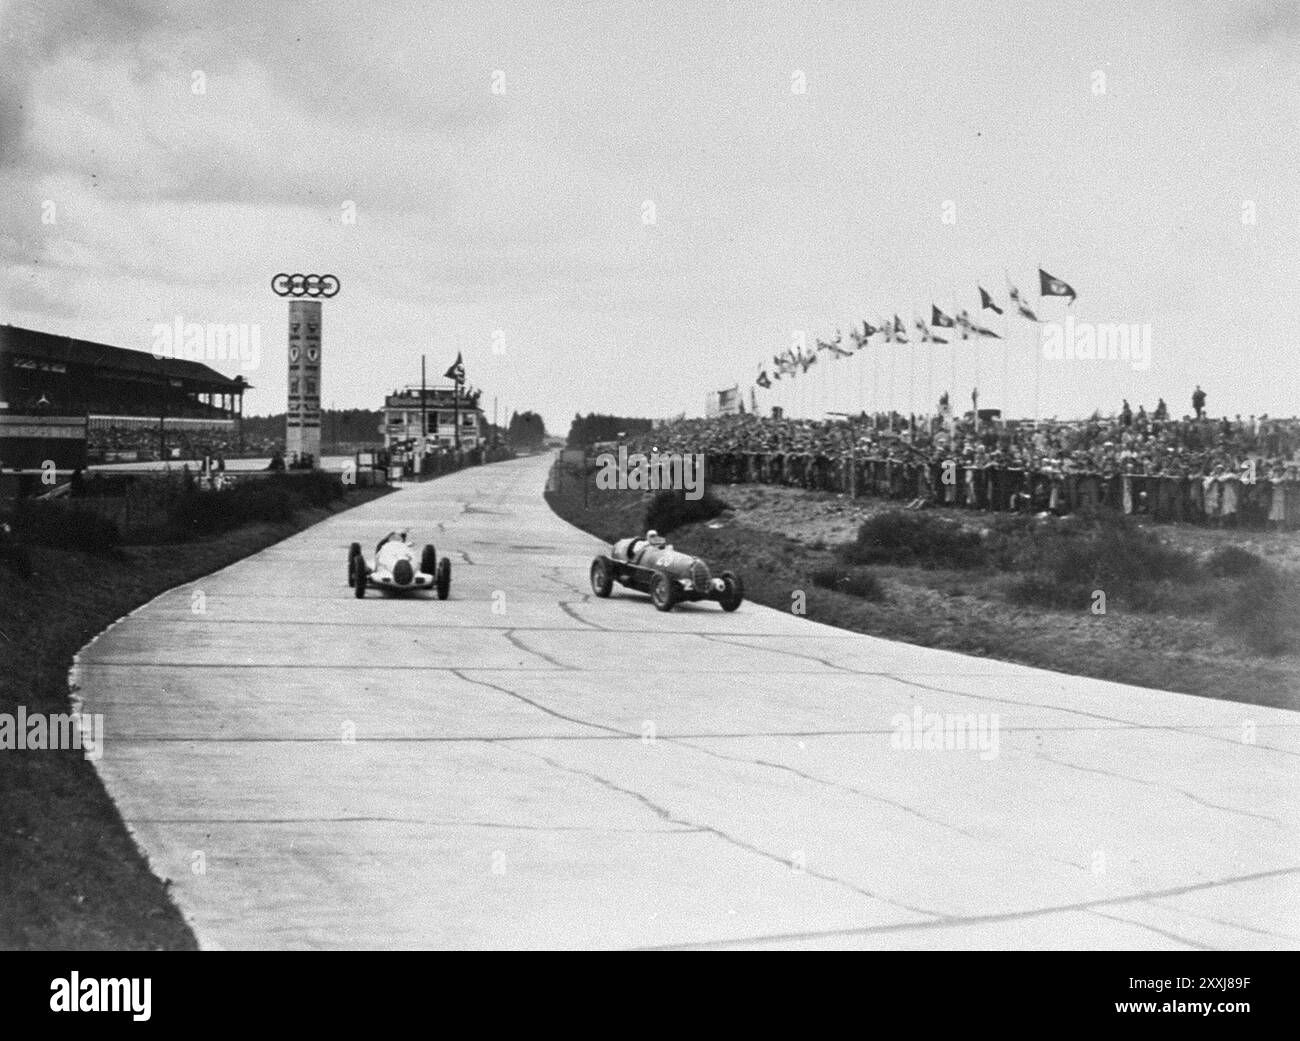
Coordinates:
(926, 335)
(900, 330)
(986, 302)
(837, 346)
(940, 320)
(1021, 306)
(807, 360)
(457, 370)
(762, 380)
(1051, 286)
(965, 324)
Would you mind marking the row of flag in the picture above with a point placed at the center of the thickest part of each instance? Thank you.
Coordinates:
(793, 362)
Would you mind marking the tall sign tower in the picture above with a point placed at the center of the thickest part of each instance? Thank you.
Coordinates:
(303, 415)
(302, 419)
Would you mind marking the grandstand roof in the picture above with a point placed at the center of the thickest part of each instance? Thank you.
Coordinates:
(70, 351)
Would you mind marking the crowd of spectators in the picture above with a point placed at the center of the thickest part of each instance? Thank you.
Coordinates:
(141, 444)
(1221, 471)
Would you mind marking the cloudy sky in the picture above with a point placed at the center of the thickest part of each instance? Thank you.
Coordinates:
(619, 206)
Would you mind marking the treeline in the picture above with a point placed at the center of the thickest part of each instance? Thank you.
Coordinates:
(587, 430)
(527, 430)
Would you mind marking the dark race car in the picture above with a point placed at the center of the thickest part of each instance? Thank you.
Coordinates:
(650, 565)
(397, 568)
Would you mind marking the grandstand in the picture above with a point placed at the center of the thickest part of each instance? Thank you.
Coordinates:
(133, 405)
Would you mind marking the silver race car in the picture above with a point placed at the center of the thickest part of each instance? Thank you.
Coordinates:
(398, 568)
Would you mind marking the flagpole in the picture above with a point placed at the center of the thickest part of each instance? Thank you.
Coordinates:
(861, 399)
(1006, 350)
(828, 391)
(1038, 372)
(895, 364)
(882, 377)
(929, 388)
(911, 392)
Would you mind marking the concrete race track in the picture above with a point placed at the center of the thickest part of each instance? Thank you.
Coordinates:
(527, 766)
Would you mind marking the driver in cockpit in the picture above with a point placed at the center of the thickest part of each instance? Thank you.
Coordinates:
(392, 536)
(652, 540)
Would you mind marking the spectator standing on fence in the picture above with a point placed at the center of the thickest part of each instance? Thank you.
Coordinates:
(1198, 402)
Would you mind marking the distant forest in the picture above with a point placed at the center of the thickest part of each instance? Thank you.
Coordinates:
(593, 427)
(351, 426)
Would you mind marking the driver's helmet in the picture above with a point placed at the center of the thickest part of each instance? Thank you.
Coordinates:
(655, 539)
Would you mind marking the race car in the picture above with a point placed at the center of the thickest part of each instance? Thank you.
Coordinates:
(650, 565)
(397, 568)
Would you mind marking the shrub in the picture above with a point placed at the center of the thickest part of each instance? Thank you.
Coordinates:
(210, 512)
(1264, 613)
(1063, 561)
(855, 581)
(1013, 541)
(1233, 562)
(1036, 590)
(1115, 554)
(908, 537)
(315, 487)
(669, 510)
(56, 522)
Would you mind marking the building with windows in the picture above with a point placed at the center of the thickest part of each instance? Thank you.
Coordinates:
(128, 405)
(403, 416)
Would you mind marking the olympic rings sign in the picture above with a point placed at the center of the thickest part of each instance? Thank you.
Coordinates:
(304, 285)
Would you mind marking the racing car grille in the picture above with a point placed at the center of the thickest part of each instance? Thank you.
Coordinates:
(700, 577)
(403, 573)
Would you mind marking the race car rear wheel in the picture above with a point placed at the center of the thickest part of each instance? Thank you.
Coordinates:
(602, 577)
(429, 560)
(443, 578)
(733, 591)
(663, 591)
(354, 551)
(360, 577)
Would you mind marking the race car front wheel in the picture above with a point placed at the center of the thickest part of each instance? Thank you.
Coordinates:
(733, 591)
(443, 578)
(354, 551)
(602, 577)
(429, 560)
(663, 591)
(359, 577)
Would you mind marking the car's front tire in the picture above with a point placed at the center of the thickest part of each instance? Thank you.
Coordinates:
(663, 591)
(442, 578)
(354, 551)
(429, 560)
(733, 591)
(360, 577)
(602, 577)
